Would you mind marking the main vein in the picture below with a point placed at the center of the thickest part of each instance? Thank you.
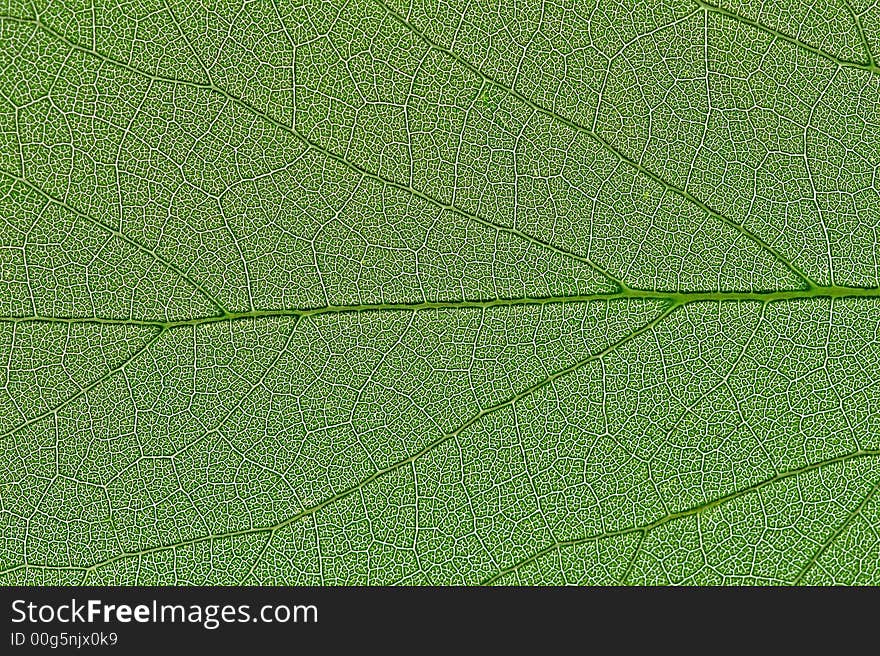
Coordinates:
(675, 298)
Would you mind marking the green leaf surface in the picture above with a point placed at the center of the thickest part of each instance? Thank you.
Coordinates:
(416, 292)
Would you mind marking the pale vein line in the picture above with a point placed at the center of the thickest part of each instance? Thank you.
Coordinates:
(313, 145)
(85, 390)
(836, 534)
(813, 289)
(116, 233)
(619, 154)
(686, 513)
(401, 463)
(846, 63)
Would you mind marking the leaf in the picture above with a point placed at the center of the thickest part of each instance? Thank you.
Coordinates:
(434, 293)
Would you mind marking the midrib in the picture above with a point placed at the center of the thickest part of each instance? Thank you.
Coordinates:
(671, 297)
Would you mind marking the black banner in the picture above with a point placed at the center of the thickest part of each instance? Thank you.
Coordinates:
(412, 620)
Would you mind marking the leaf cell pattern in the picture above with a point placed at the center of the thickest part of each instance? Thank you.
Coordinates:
(411, 292)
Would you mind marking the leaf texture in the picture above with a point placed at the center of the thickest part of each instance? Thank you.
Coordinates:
(410, 292)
